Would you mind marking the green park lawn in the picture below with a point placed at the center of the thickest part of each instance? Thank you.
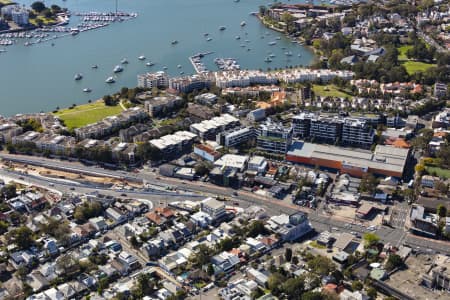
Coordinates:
(402, 52)
(84, 114)
(5, 2)
(329, 91)
(416, 66)
(443, 173)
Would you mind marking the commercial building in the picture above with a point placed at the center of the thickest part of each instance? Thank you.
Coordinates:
(206, 152)
(423, 223)
(258, 164)
(232, 161)
(439, 275)
(234, 137)
(256, 115)
(273, 137)
(153, 80)
(357, 133)
(215, 209)
(208, 129)
(385, 161)
(290, 228)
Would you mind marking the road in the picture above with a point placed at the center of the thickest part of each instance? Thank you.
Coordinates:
(196, 190)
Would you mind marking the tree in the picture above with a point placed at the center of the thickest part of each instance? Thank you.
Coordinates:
(372, 293)
(321, 265)
(441, 211)
(293, 287)
(256, 228)
(9, 191)
(202, 168)
(288, 254)
(87, 210)
(59, 230)
(370, 239)
(394, 261)
(38, 6)
(275, 281)
(210, 270)
(368, 184)
(22, 237)
(357, 285)
(310, 295)
(3, 227)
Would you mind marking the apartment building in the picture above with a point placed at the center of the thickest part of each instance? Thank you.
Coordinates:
(189, 83)
(153, 80)
(176, 143)
(234, 137)
(326, 129)
(302, 124)
(357, 133)
(8, 131)
(160, 106)
(208, 129)
(274, 137)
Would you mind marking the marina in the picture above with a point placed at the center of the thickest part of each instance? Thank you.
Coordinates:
(227, 64)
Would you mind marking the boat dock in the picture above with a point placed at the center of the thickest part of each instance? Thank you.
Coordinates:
(196, 61)
(227, 64)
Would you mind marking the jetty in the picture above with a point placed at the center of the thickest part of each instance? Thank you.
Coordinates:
(196, 61)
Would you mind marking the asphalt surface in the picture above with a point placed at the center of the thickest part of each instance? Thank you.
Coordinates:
(396, 235)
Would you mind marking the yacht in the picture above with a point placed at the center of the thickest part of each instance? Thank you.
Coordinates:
(271, 55)
(2, 50)
(118, 69)
(164, 68)
(267, 59)
(243, 23)
(94, 67)
(278, 38)
(247, 41)
(238, 37)
(181, 73)
(110, 80)
(272, 43)
(205, 34)
(149, 64)
(174, 42)
(299, 55)
(78, 76)
(142, 57)
(289, 53)
(87, 90)
(209, 39)
(124, 61)
(179, 66)
(222, 28)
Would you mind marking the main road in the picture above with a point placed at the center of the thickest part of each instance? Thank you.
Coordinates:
(197, 190)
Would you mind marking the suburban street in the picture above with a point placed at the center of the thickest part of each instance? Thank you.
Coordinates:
(396, 235)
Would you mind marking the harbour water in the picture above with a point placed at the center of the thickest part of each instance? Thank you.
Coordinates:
(41, 77)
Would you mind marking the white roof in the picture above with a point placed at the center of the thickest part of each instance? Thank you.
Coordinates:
(232, 160)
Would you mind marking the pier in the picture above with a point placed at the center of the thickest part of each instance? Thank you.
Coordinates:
(196, 61)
